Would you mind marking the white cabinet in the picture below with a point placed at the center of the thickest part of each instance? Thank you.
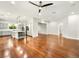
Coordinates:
(5, 32)
(4, 29)
(18, 34)
(3, 26)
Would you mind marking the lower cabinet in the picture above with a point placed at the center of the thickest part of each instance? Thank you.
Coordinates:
(18, 35)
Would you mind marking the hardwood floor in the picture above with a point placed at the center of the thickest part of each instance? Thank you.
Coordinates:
(43, 46)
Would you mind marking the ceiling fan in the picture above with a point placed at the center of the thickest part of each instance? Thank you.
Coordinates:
(40, 5)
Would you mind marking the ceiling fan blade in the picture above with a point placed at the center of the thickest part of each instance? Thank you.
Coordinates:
(47, 5)
(33, 3)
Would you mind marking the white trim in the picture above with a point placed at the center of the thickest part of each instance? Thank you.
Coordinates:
(71, 37)
(65, 36)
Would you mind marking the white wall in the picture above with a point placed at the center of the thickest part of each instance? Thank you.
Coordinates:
(30, 24)
(33, 27)
(70, 27)
(52, 28)
(42, 28)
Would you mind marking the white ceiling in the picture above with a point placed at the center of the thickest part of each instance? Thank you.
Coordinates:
(56, 12)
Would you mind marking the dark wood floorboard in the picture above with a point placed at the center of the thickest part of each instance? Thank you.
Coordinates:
(43, 46)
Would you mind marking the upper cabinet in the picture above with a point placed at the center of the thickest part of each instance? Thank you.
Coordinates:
(3, 25)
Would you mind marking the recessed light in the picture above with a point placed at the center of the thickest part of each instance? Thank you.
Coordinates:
(12, 2)
(72, 12)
